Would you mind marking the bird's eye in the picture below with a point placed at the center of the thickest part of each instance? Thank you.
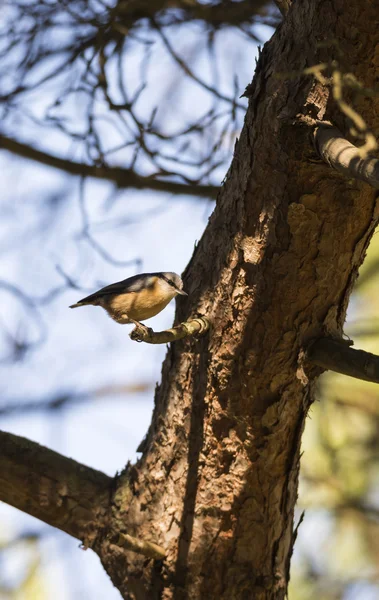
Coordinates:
(170, 282)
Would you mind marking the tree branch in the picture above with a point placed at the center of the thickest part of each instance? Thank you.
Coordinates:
(344, 156)
(123, 178)
(53, 488)
(219, 14)
(145, 334)
(67, 399)
(336, 355)
(62, 493)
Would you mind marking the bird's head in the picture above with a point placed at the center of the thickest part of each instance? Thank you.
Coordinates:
(172, 282)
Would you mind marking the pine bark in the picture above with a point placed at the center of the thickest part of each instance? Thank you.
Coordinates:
(217, 482)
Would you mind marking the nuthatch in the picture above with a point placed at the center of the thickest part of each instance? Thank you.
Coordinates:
(136, 298)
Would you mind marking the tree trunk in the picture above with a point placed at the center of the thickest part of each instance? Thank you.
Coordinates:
(217, 482)
(207, 512)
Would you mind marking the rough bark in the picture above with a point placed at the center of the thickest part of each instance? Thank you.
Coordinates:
(217, 482)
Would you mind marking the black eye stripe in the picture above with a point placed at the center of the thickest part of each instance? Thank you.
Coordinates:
(169, 281)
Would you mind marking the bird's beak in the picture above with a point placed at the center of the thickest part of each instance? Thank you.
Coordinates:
(181, 292)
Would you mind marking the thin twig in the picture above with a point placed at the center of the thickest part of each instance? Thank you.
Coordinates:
(184, 66)
(195, 326)
(124, 540)
(360, 127)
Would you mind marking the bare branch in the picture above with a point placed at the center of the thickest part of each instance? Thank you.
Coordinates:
(53, 488)
(61, 492)
(336, 355)
(219, 14)
(344, 156)
(185, 67)
(145, 334)
(123, 178)
(66, 400)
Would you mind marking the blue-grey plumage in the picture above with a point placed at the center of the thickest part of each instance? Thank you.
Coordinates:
(137, 298)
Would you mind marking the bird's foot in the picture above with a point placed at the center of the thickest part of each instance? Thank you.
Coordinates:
(140, 332)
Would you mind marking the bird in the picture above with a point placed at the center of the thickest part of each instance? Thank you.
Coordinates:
(137, 298)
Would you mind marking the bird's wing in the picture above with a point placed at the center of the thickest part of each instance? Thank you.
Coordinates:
(131, 284)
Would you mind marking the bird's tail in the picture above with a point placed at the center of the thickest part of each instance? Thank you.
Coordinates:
(92, 299)
(81, 303)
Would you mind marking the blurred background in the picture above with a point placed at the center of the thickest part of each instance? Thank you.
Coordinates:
(118, 123)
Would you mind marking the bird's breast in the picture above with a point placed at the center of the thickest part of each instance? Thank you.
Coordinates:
(138, 306)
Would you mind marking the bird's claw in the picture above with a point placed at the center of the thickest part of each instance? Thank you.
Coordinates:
(140, 332)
